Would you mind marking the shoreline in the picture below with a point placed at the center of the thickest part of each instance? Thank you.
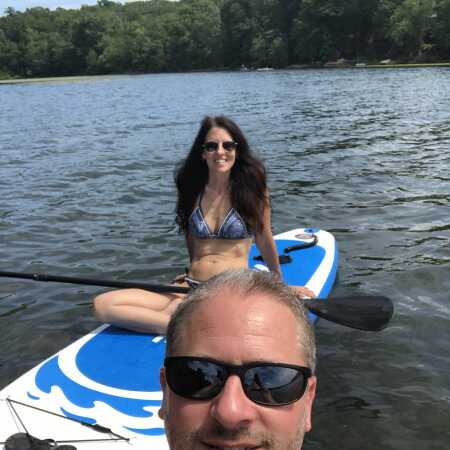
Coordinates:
(305, 67)
(61, 79)
(400, 66)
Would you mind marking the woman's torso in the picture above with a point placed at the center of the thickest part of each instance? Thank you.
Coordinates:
(218, 238)
(210, 257)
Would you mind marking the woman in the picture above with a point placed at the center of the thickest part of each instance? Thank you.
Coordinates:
(223, 202)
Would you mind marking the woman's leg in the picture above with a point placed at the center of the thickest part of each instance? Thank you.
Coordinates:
(136, 309)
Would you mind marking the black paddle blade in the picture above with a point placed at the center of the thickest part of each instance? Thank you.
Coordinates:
(368, 313)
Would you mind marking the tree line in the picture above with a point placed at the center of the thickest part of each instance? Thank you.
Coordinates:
(186, 35)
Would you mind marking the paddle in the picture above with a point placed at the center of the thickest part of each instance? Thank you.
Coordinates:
(368, 313)
(94, 282)
(364, 312)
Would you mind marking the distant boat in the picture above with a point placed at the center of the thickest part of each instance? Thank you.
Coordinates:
(264, 69)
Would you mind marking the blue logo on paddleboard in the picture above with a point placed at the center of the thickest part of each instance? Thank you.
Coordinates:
(114, 368)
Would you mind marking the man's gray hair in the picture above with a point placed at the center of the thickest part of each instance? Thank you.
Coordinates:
(245, 282)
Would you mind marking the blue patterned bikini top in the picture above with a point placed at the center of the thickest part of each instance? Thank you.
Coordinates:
(232, 227)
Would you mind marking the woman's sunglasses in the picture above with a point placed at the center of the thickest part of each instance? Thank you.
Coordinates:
(212, 146)
(264, 383)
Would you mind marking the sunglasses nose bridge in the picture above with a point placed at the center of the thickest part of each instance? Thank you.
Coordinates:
(220, 147)
(239, 372)
(232, 388)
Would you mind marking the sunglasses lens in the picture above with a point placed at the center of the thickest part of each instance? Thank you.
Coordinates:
(195, 379)
(229, 145)
(274, 385)
(210, 146)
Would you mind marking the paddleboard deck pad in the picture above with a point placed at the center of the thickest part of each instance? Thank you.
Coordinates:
(103, 390)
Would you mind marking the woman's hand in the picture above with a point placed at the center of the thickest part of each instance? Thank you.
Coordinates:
(277, 274)
(179, 279)
(304, 292)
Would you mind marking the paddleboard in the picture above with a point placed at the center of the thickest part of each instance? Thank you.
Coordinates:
(103, 390)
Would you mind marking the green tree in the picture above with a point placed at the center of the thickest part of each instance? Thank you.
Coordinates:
(269, 49)
(35, 53)
(379, 43)
(163, 35)
(441, 28)
(5, 54)
(316, 31)
(142, 50)
(193, 35)
(410, 23)
(285, 12)
(238, 31)
(87, 33)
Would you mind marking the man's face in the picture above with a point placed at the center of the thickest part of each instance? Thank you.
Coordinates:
(238, 331)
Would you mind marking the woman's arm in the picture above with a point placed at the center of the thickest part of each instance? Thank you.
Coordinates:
(266, 244)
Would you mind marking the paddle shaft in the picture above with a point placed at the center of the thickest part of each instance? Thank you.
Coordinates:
(95, 282)
(368, 313)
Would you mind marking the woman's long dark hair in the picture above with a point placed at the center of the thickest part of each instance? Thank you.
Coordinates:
(247, 178)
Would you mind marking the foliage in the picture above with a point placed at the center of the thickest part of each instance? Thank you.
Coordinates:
(440, 31)
(410, 24)
(163, 35)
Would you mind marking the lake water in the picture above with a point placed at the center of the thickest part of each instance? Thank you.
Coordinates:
(86, 189)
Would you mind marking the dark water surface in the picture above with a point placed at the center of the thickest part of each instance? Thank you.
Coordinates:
(86, 190)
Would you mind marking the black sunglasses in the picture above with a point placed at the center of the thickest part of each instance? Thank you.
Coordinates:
(212, 146)
(265, 383)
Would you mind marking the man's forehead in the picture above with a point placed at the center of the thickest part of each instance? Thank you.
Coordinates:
(237, 309)
(256, 326)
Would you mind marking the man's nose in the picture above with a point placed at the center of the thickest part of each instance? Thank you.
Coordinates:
(232, 408)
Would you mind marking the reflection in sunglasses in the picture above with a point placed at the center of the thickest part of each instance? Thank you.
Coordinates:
(273, 384)
(265, 394)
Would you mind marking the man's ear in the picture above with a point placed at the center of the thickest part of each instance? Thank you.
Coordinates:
(163, 383)
(310, 395)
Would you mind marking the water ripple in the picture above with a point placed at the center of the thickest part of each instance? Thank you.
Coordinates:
(363, 154)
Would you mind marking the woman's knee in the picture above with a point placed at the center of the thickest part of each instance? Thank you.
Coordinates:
(103, 304)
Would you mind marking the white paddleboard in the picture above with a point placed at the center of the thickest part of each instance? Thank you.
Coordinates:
(110, 377)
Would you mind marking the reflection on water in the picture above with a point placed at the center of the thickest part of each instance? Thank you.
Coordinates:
(86, 189)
